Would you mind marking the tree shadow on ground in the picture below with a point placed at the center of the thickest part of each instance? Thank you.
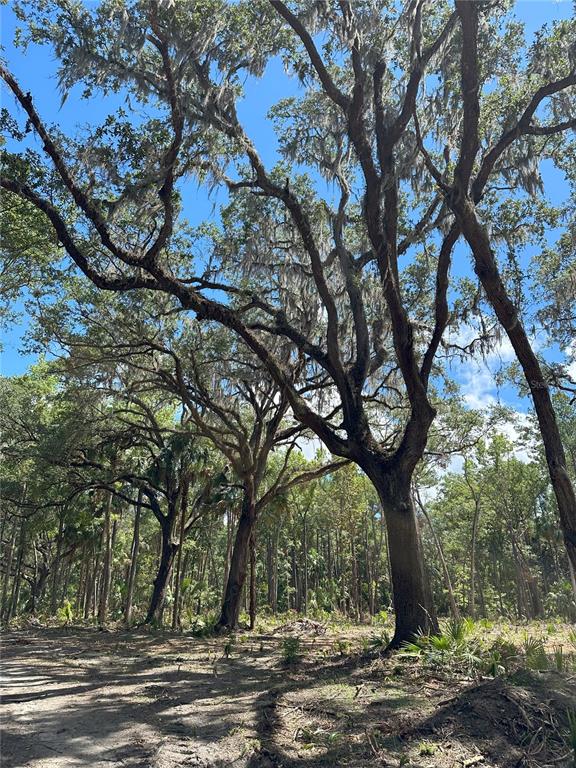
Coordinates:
(503, 723)
(161, 702)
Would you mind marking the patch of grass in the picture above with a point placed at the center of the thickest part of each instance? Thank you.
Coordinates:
(571, 736)
(342, 647)
(318, 737)
(427, 748)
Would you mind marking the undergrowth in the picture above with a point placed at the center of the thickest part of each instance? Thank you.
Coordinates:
(463, 648)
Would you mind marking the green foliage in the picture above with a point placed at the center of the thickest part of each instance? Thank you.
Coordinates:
(65, 613)
(571, 734)
(427, 748)
(535, 653)
(378, 642)
(229, 646)
(342, 647)
(291, 650)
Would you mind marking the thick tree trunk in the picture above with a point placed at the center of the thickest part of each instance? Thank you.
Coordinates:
(133, 561)
(507, 313)
(230, 612)
(167, 554)
(413, 608)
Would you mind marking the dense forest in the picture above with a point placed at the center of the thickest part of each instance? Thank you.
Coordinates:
(119, 506)
(295, 286)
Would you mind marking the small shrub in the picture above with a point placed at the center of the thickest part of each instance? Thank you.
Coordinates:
(427, 748)
(342, 647)
(378, 642)
(456, 631)
(291, 649)
(229, 646)
(494, 664)
(535, 654)
(449, 650)
(65, 613)
(500, 656)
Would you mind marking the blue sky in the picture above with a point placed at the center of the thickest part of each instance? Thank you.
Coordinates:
(36, 70)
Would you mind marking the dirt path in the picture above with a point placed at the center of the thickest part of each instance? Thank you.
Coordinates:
(84, 698)
(99, 700)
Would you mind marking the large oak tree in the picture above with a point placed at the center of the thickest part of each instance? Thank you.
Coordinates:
(348, 262)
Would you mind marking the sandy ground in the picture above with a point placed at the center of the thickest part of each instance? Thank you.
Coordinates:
(86, 698)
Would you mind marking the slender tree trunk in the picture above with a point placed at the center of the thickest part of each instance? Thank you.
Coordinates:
(178, 575)
(7, 575)
(81, 591)
(572, 572)
(66, 579)
(498, 576)
(454, 610)
(355, 590)
(107, 564)
(37, 586)
(481, 597)
(305, 553)
(276, 577)
(369, 570)
(133, 560)
(486, 268)
(13, 608)
(90, 584)
(270, 571)
(252, 605)
(472, 601)
(56, 567)
(296, 582)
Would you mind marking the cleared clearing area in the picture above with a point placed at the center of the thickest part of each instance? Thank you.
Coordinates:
(86, 698)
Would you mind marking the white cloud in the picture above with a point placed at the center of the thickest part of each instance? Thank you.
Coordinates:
(310, 447)
(570, 353)
(477, 385)
(512, 430)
